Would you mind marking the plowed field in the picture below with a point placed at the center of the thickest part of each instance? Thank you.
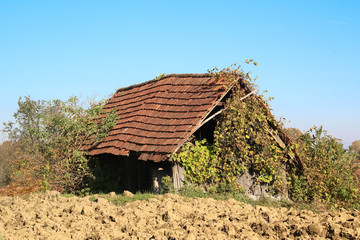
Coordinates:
(51, 216)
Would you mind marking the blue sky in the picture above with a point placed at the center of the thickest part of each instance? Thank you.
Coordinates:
(308, 51)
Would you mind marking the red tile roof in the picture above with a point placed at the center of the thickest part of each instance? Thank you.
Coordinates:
(157, 116)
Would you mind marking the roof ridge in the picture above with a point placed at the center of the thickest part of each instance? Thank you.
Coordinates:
(179, 75)
(187, 75)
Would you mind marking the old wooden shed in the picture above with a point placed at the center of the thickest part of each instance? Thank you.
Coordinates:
(155, 119)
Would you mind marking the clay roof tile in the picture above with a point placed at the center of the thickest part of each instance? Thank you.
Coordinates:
(155, 117)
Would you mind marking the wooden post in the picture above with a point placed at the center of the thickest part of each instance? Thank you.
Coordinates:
(178, 176)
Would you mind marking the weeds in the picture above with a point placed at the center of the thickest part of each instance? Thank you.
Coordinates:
(193, 191)
(269, 202)
(120, 200)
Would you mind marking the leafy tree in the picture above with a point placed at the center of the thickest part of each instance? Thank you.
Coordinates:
(50, 138)
(329, 175)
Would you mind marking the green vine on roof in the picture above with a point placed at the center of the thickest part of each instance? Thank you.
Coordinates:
(161, 75)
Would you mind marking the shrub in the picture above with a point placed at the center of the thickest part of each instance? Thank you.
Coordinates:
(329, 172)
(6, 152)
(168, 186)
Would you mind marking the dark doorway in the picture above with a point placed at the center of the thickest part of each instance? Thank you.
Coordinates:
(117, 173)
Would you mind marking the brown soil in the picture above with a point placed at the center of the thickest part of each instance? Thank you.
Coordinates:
(51, 216)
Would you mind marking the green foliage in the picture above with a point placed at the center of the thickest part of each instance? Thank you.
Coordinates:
(6, 149)
(329, 172)
(299, 188)
(193, 190)
(244, 143)
(225, 188)
(198, 159)
(50, 138)
(107, 173)
(218, 192)
(244, 140)
(120, 200)
(160, 76)
(168, 186)
(270, 202)
(244, 137)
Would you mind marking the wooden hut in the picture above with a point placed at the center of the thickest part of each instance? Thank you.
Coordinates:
(155, 119)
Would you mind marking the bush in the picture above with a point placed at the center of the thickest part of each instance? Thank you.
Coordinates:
(168, 186)
(6, 150)
(329, 172)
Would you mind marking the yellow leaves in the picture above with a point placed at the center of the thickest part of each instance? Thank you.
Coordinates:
(248, 61)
